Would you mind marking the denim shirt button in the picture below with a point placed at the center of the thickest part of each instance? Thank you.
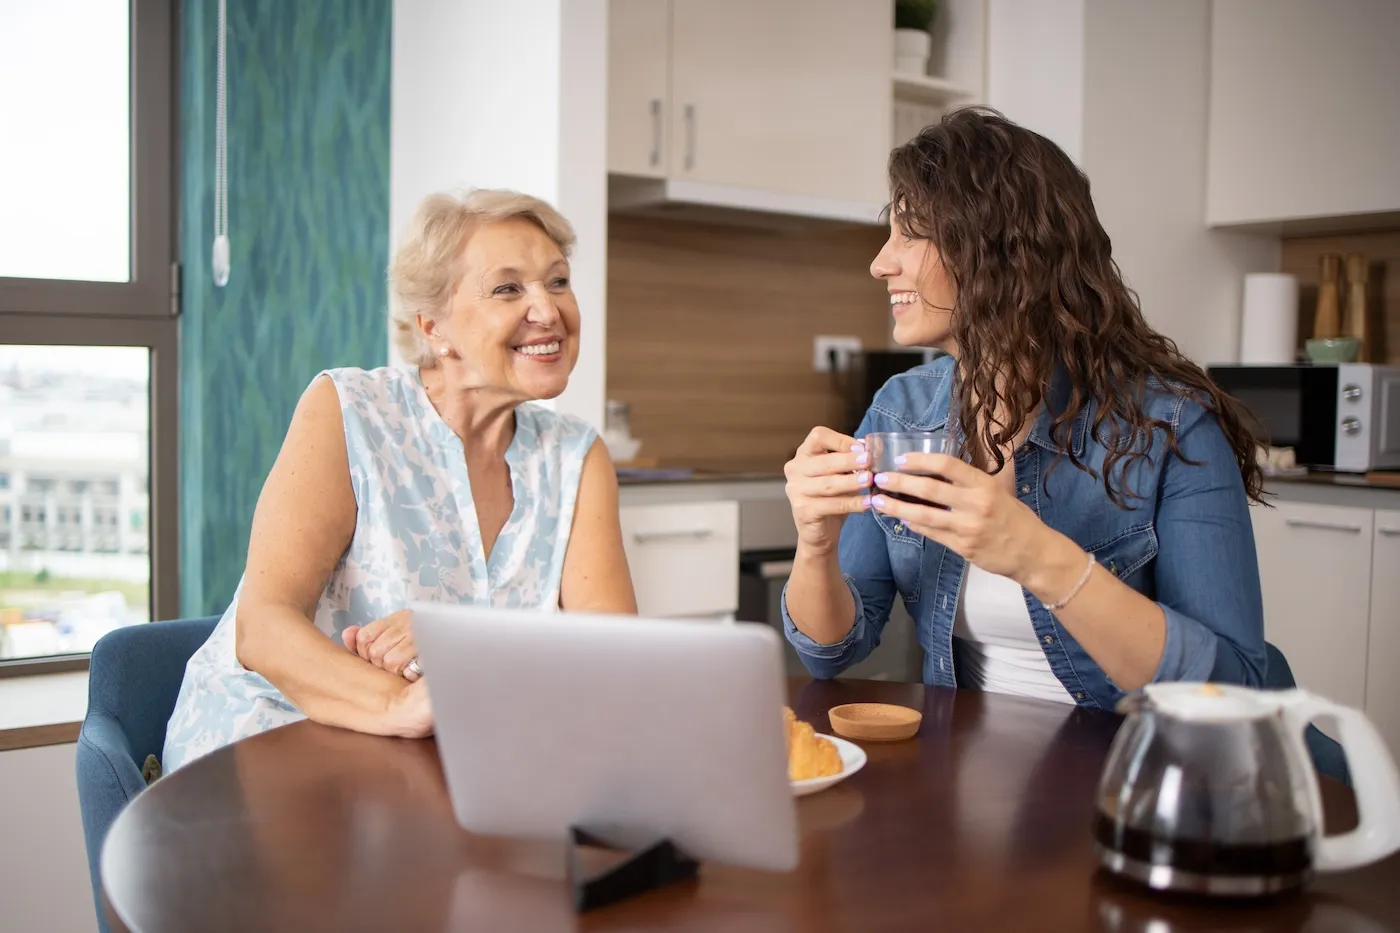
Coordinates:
(1025, 489)
(1079, 695)
(1113, 567)
(1049, 640)
(899, 528)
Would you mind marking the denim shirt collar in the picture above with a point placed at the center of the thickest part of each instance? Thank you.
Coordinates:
(1057, 397)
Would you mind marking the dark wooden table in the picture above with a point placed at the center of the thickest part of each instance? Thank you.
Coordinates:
(980, 823)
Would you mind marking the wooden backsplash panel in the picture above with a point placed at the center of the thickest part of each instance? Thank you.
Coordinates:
(1301, 257)
(710, 333)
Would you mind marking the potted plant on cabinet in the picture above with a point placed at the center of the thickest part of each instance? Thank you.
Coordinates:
(912, 44)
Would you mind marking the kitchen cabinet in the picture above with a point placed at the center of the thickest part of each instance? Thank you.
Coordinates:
(1383, 661)
(791, 97)
(684, 558)
(639, 39)
(1303, 119)
(1315, 567)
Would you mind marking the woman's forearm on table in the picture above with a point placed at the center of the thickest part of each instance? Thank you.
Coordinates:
(320, 677)
(818, 600)
(1122, 630)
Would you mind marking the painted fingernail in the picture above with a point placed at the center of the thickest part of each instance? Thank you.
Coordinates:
(857, 448)
(901, 460)
(862, 459)
(865, 502)
(863, 479)
(879, 502)
(881, 478)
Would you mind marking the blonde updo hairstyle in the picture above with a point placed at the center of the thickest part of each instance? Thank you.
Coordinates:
(427, 266)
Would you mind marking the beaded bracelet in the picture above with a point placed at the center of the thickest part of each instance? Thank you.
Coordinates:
(1083, 579)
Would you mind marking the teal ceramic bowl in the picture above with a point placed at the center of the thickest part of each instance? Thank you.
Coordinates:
(1333, 350)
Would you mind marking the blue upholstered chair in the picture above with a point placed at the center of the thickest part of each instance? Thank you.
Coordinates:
(133, 680)
(1326, 754)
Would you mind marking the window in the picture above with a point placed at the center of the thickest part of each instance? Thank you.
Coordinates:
(87, 326)
(86, 411)
(65, 69)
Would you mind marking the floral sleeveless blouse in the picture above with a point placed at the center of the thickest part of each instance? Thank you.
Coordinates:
(416, 538)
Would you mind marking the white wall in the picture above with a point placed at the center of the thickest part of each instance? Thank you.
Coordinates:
(43, 863)
(510, 95)
(1124, 89)
(1035, 67)
(1147, 87)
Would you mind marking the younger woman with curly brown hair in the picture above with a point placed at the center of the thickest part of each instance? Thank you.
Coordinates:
(1095, 536)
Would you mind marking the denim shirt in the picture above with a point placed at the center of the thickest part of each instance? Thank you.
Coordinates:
(1186, 542)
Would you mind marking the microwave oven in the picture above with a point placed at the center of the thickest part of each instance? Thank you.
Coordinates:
(1343, 417)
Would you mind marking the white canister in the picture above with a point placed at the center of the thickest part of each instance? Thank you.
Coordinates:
(911, 51)
(1269, 324)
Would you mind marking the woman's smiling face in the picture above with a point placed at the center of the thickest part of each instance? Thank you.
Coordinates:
(513, 322)
(922, 293)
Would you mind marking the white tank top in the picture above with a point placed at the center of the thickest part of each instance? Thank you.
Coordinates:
(997, 647)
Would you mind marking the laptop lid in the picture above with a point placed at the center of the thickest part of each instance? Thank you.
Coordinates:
(633, 729)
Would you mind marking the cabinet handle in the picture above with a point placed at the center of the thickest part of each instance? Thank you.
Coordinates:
(689, 137)
(693, 534)
(1323, 526)
(1389, 532)
(655, 158)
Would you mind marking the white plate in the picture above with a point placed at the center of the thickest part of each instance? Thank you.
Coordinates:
(852, 760)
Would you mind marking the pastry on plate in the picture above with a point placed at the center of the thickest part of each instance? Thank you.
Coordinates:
(809, 755)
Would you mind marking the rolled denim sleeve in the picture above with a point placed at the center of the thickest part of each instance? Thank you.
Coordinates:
(1207, 571)
(865, 564)
(826, 661)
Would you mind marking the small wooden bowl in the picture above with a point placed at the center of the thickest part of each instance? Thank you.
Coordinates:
(875, 722)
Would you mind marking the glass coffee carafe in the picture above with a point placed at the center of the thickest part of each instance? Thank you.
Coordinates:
(1209, 789)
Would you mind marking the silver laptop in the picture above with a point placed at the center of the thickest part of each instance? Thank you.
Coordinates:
(631, 729)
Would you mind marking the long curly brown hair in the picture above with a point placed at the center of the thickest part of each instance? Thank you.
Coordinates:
(1037, 288)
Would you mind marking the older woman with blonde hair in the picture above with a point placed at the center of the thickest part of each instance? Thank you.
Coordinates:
(440, 482)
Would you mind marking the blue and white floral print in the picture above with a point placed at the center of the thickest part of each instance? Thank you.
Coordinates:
(416, 538)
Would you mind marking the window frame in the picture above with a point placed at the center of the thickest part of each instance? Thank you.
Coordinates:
(147, 293)
(141, 312)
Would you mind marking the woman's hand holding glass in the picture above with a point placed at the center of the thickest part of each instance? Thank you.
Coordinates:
(827, 479)
(952, 502)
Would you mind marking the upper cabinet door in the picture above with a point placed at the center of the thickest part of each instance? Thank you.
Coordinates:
(1304, 109)
(639, 37)
(783, 95)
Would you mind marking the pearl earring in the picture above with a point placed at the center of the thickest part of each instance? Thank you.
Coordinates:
(443, 351)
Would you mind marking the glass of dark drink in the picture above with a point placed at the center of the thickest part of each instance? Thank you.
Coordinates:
(886, 448)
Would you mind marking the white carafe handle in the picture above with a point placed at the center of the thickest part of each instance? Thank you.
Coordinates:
(1374, 779)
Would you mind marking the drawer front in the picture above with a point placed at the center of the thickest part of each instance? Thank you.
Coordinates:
(684, 557)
